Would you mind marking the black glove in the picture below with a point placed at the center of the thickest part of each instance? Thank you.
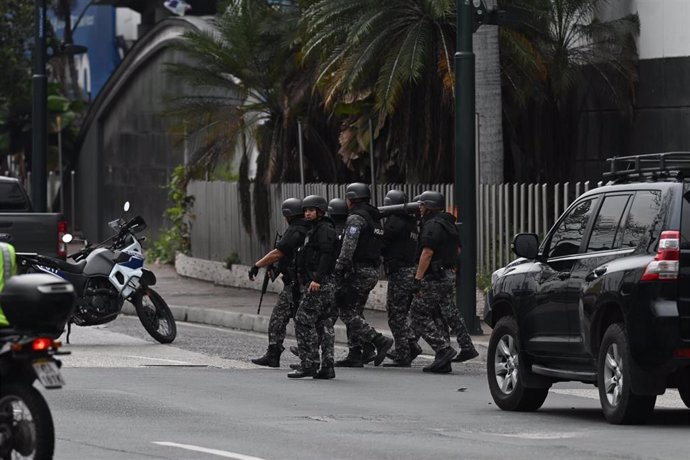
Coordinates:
(253, 272)
(417, 285)
(342, 268)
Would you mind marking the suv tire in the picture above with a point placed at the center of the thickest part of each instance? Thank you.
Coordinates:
(506, 372)
(619, 403)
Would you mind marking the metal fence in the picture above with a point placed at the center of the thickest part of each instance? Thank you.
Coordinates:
(217, 231)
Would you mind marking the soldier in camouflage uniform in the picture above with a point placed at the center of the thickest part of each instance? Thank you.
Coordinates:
(283, 255)
(400, 236)
(337, 211)
(313, 323)
(435, 279)
(357, 273)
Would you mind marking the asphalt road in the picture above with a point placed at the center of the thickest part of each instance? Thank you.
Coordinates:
(128, 397)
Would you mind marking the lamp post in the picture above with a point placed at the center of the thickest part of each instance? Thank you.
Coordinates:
(39, 110)
(470, 15)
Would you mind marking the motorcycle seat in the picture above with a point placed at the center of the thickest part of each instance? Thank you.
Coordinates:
(71, 267)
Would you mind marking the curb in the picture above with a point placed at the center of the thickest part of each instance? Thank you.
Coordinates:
(259, 323)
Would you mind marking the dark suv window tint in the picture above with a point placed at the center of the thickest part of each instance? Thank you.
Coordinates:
(12, 198)
(642, 216)
(567, 238)
(606, 232)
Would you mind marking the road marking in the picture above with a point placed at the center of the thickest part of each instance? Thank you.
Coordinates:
(219, 453)
(173, 361)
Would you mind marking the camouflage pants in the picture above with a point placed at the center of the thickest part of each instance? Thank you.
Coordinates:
(456, 324)
(426, 308)
(398, 299)
(280, 316)
(314, 325)
(356, 290)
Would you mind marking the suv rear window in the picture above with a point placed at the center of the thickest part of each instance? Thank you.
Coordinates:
(12, 197)
(643, 215)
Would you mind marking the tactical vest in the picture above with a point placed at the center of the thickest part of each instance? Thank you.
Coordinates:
(315, 243)
(403, 248)
(445, 234)
(8, 267)
(297, 230)
(369, 244)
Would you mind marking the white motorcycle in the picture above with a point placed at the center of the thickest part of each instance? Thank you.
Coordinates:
(107, 274)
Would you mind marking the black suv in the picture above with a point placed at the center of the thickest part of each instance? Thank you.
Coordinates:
(605, 299)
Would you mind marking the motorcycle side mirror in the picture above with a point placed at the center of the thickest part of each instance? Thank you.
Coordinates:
(126, 206)
(67, 238)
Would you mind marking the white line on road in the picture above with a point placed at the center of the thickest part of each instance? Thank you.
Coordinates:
(220, 453)
(157, 359)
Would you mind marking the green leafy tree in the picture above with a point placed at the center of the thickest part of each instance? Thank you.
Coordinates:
(390, 62)
(560, 57)
(246, 90)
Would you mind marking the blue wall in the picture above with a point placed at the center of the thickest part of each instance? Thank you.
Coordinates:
(96, 31)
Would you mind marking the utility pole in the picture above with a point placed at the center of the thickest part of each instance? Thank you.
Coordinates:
(39, 111)
(470, 15)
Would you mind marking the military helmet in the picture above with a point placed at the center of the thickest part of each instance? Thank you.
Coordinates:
(337, 207)
(357, 190)
(315, 201)
(395, 197)
(432, 199)
(292, 207)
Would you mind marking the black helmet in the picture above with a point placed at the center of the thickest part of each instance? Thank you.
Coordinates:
(432, 199)
(357, 190)
(337, 207)
(315, 201)
(395, 197)
(416, 197)
(292, 207)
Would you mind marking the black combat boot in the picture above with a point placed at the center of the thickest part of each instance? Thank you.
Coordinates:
(466, 354)
(368, 353)
(304, 372)
(415, 350)
(295, 366)
(272, 356)
(382, 344)
(443, 357)
(445, 369)
(325, 373)
(353, 358)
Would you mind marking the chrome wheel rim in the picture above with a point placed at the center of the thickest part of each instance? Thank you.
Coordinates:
(506, 361)
(613, 375)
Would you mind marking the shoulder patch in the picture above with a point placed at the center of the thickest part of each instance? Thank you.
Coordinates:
(353, 230)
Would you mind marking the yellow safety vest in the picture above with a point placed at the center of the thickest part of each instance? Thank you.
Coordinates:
(7, 259)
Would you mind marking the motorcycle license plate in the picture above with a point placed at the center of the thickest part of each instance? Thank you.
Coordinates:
(48, 373)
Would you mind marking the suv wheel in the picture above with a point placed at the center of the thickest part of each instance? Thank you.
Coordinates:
(506, 373)
(619, 403)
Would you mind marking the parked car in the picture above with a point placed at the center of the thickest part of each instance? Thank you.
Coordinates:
(605, 298)
(30, 231)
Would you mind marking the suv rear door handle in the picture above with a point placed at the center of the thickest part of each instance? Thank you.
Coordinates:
(596, 273)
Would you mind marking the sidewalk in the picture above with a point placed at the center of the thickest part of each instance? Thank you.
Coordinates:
(207, 303)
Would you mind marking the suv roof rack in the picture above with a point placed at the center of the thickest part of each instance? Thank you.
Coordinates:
(668, 165)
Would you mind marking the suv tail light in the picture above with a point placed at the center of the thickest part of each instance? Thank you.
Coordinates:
(665, 264)
(61, 246)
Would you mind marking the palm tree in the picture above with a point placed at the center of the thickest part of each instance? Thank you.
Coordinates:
(561, 56)
(391, 62)
(246, 92)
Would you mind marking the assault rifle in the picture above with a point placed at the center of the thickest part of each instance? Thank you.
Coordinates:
(409, 208)
(270, 275)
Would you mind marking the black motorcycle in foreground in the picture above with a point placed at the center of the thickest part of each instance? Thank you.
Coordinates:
(37, 306)
(107, 274)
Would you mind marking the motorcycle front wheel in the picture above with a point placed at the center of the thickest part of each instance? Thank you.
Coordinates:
(26, 426)
(155, 315)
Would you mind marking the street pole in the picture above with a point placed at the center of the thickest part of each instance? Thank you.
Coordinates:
(39, 111)
(465, 166)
